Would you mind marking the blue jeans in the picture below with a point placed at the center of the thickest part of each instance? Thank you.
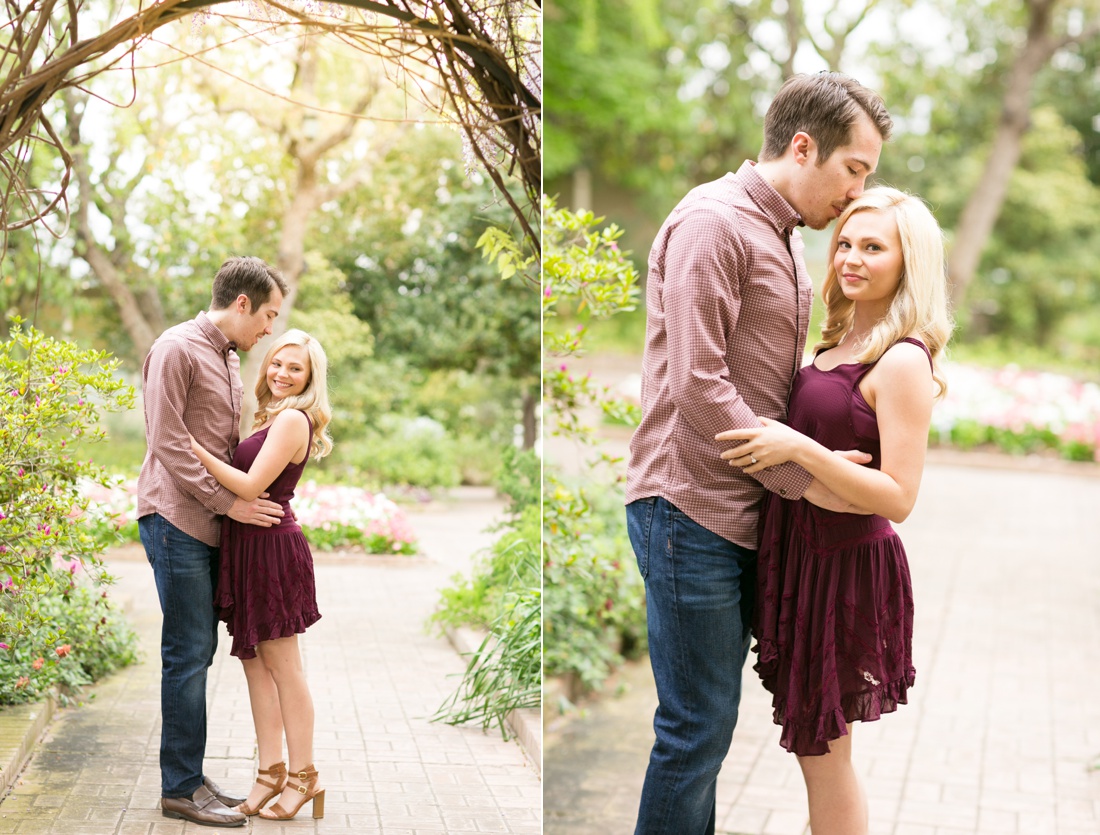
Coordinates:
(699, 599)
(186, 571)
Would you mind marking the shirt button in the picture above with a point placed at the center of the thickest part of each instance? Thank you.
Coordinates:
(782, 491)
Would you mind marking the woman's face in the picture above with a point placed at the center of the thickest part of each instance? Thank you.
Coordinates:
(288, 372)
(868, 260)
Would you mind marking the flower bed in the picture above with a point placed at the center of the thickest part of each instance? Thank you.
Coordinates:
(331, 517)
(1019, 412)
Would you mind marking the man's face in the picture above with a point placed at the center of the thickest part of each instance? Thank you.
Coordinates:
(254, 325)
(822, 191)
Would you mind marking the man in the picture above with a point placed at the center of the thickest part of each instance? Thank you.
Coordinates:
(192, 386)
(728, 304)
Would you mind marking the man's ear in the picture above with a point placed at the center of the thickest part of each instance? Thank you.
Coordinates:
(802, 144)
(243, 304)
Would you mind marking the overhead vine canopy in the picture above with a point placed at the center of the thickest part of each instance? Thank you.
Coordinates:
(477, 62)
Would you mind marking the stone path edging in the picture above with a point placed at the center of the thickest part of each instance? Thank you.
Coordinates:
(21, 726)
(526, 725)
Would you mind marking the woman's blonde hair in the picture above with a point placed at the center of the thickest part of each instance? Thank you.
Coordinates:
(314, 397)
(919, 306)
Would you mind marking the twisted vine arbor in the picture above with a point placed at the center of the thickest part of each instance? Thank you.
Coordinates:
(476, 61)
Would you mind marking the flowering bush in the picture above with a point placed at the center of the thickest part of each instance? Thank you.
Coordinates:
(51, 629)
(331, 517)
(97, 641)
(1019, 412)
(593, 604)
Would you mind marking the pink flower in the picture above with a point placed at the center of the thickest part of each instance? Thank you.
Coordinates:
(63, 650)
(38, 662)
(4, 646)
(22, 682)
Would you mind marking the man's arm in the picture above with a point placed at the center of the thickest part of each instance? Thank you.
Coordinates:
(168, 375)
(700, 303)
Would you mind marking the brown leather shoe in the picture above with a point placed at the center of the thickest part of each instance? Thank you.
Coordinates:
(224, 798)
(202, 808)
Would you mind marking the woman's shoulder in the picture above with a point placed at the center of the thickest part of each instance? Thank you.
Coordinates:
(290, 420)
(907, 355)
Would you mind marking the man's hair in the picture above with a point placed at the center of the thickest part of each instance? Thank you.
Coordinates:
(825, 106)
(249, 275)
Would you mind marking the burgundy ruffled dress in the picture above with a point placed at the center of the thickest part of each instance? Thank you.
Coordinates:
(265, 576)
(834, 601)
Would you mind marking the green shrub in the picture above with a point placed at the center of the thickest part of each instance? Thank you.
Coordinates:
(503, 596)
(594, 603)
(52, 394)
(404, 452)
(594, 607)
(511, 562)
(93, 640)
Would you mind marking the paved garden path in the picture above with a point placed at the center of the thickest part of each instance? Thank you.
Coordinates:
(376, 675)
(1002, 732)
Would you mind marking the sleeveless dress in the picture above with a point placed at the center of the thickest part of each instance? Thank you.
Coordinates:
(265, 575)
(834, 600)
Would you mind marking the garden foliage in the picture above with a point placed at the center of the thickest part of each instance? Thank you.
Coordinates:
(503, 597)
(56, 624)
(594, 613)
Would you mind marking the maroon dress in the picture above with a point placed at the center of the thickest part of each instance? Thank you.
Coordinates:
(265, 577)
(834, 611)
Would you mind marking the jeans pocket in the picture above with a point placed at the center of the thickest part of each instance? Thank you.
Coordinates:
(639, 522)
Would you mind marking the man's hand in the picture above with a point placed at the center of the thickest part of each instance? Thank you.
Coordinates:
(820, 495)
(259, 512)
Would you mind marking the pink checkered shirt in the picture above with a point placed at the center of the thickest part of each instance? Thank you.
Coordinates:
(727, 311)
(192, 384)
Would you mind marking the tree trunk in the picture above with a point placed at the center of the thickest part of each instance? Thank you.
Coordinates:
(982, 209)
(530, 419)
(142, 333)
(794, 36)
(308, 193)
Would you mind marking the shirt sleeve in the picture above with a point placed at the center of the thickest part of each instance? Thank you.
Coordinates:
(167, 380)
(704, 262)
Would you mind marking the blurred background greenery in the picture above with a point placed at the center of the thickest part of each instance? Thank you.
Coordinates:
(318, 158)
(996, 106)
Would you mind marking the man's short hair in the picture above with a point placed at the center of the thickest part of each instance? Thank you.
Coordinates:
(825, 106)
(249, 275)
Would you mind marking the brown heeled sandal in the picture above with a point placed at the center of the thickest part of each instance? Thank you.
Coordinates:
(276, 772)
(307, 778)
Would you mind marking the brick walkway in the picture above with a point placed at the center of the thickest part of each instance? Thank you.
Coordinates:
(376, 678)
(1002, 732)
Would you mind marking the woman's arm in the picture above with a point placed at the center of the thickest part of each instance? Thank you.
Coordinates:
(286, 440)
(903, 406)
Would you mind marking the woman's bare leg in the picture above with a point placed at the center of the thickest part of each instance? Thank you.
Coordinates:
(264, 698)
(284, 662)
(837, 803)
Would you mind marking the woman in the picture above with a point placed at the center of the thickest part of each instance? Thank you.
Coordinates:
(265, 589)
(834, 607)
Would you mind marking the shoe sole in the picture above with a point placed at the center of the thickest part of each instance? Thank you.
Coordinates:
(180, 816)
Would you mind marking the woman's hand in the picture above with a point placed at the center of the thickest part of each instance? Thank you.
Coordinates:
(765, 446)
(195, 448)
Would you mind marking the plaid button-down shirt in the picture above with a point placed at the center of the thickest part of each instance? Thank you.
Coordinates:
(192, 385)
(727, 311)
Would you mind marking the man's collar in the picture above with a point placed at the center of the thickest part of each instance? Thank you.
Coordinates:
(221, 343)
(770, 201)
